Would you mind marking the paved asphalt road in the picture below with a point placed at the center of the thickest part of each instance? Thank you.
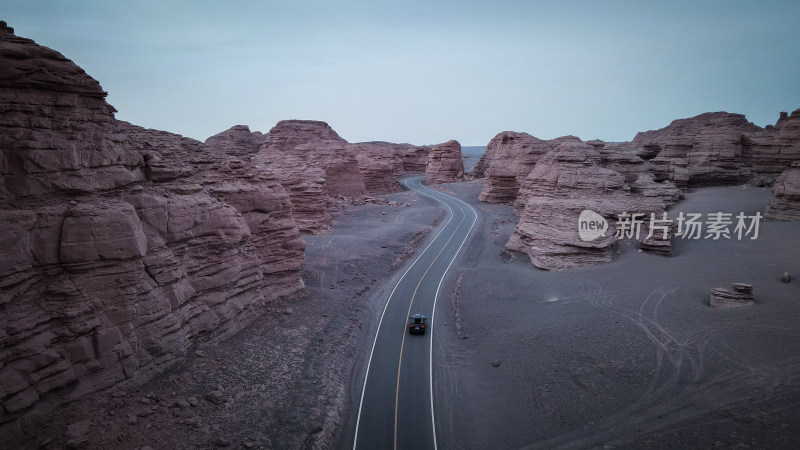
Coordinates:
(396, 407)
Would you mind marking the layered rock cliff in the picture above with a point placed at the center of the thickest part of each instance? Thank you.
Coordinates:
(318, 168)
(719, 148)
(382, 163)
(785, 203)
(777, 147)
(567, 181)
(237, 141)
(509, 158)
(445, 164)
(123, 247)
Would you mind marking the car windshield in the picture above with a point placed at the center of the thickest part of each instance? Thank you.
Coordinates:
(417, 319)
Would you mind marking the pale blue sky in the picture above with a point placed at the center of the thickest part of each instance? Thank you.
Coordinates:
(428, 71)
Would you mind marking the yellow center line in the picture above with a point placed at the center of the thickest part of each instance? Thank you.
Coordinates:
(403, 341)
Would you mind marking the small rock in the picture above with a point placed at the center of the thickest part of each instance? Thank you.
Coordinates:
(133, 419)
(786, 278)
(193, 421)
(78, 434)
(221, 442)
(383, 213)
(496, 363)
(215, 397)
(200, 354)
(192, 401)
(249, 445)
(288, 311)
(182, 404)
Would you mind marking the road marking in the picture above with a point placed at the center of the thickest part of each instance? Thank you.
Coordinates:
(413, 296)
(380, 322)
(433, 314)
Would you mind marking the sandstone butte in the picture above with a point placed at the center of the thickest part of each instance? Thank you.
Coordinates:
(547, 180)
(318, 167)
(445, 164)
(124, 247)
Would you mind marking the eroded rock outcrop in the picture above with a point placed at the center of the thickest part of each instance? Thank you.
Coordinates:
(785, 203)
(312, 162)
(565, 182)
(123, 246)
(509, 158)
(741, 295)
(719, 148)
(319, 168)
(777, 147)
(237, 141)
(445, 164)
(382, 163)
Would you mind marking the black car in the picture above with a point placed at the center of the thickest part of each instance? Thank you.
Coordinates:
(416, 324)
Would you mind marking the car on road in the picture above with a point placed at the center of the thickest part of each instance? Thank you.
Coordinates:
(416, 324)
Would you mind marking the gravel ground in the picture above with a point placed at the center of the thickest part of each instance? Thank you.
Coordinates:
(288, 379)
(627, 354)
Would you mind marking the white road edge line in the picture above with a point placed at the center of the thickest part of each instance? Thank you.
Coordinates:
(435, 298)
(380, 322)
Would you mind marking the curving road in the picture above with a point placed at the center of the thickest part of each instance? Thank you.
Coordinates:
(396, 406)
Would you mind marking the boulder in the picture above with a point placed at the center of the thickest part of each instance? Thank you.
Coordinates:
(741, 295)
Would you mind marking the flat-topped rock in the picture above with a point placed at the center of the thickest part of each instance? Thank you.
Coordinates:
(445, 164)
(741, 295)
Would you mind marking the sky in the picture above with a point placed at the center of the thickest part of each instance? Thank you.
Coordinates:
(428, 71)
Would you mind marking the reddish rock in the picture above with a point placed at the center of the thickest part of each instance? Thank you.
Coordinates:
(509, 158)
(777, 147)
(719, 148)
(57, 127)
(445, 164)
(565, 182)
(382, 163)
(318, 167)
(312, 162)
(785, 203)
(237, 141)
(740, 295)
(123, 247)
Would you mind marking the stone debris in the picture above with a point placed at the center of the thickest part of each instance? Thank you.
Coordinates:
(741, 295)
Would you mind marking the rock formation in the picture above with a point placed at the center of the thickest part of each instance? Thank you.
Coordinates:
(785, 203)
(123, 246)
(318, 168)
(776, 147)
(382, 163)
(237, 141)
(707, 149)
(741, 295)
(562, 184)
(445, 164)
(509, 158)
(312, 162)
(719, 148)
